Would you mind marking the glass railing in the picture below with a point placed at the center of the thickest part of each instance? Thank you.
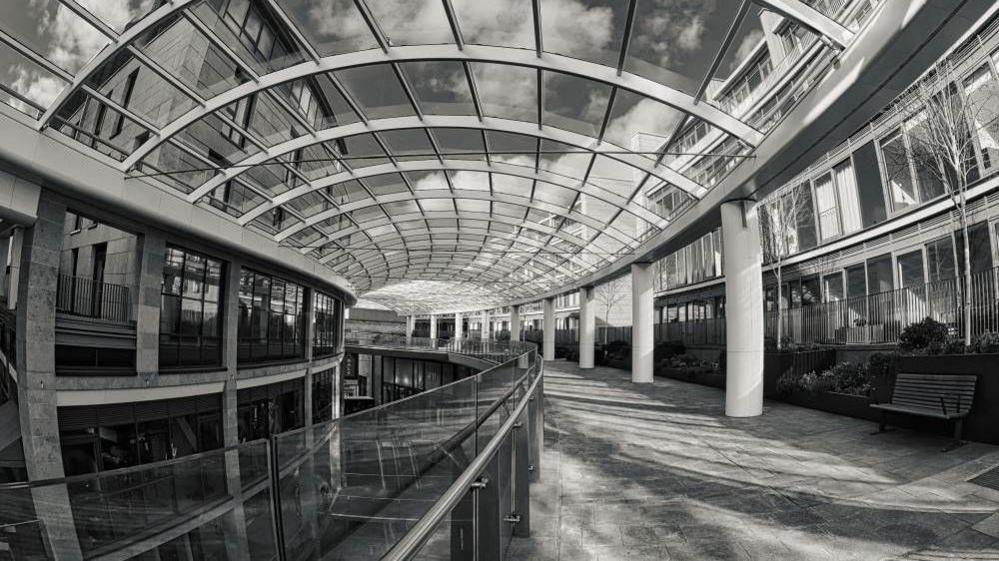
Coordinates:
(351, 488)
(497, 351)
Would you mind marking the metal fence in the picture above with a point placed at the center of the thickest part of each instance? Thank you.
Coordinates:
(881, 317)
(88, 298)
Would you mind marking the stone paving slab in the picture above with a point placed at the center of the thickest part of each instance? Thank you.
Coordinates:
(657, 472)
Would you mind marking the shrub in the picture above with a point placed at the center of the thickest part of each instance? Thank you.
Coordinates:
(928, 336)
(617, 348)
(685, 361)
(503, 336)
(845, 377)
(667, 350)
(882, 366)
(987, 342)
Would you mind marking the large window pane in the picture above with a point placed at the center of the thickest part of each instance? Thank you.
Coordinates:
(869, 188)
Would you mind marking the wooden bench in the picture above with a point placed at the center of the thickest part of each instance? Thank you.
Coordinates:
(931, 395)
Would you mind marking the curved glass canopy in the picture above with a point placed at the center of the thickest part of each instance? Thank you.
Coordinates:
(491, 150)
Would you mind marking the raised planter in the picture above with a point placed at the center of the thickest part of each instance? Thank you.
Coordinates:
(704, 375)
(856, 406)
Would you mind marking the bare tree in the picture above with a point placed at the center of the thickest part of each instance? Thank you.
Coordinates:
(608, 295)
(779, 219)
(943, 118)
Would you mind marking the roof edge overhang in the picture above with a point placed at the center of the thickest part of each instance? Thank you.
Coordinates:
(52, 162)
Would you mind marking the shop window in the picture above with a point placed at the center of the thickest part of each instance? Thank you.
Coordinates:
(265, 411)
(271, 318)
(105, 437)
(190, 310)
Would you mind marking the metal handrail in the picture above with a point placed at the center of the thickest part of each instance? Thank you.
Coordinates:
(419, 533)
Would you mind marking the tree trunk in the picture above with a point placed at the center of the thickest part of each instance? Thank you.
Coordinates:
(780, 300)
(967, 279)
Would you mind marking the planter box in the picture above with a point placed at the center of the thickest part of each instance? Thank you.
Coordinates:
(856, 406)
(704, 375)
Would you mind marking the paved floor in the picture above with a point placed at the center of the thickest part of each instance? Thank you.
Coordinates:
(658, 472)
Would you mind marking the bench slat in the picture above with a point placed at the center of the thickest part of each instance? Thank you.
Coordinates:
(929, 395)
(918, 411)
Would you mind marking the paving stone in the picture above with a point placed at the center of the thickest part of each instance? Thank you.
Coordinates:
(657, 472)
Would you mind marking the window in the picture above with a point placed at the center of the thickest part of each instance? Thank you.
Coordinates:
(190, 310)
(879, 275)
(265, 411)
(940, 260)
(328, 314)
(323, 395)
(856, 281)
(869, 188)
(979, 248)
(901, 186)
(832, 286)
(846, 191)
(805, 224)
(910, 270)
(981, 89)
(271, 318)
(827, 206)
(104, 437)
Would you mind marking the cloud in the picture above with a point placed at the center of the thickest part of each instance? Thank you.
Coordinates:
(746, 47)
(41, 89)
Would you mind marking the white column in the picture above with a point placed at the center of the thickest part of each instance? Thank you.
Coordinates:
(485, 325)
(743, 260)
(410, 328)
(433, 327)
(642, 321)
(457, 326)
(587, 326)
(515, 323)
(549, 329)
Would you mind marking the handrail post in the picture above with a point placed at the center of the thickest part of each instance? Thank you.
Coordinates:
(522, 477)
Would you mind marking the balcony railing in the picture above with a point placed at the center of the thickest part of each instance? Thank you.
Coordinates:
(442, 473)
(87, 298)
(496, 351)
(881, 317)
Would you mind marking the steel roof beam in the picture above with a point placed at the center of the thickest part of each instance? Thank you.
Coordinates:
(469, 53)
(465, 122)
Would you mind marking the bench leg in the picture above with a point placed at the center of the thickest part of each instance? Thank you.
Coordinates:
(958, 433)
(882, 423)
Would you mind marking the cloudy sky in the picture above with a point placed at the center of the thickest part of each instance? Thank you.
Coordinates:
(674, 42)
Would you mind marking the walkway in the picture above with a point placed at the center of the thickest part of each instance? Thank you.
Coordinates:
(658, 472)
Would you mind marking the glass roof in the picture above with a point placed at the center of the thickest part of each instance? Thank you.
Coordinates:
(499, 149)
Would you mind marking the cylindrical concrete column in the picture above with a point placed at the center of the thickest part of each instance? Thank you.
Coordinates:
(743, 259)
(410, 328)
(587, 327)
(433, 327)
(458, 327)
(549, 329)
(642, 321)
(485, 326)
(515, 323)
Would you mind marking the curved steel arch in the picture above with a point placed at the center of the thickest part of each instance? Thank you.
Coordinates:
(468, 53)
(455, 194)
(401, 263)
(500, 168)
(379, 262)
(523, 128)
(404, 246)
(482, 217)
